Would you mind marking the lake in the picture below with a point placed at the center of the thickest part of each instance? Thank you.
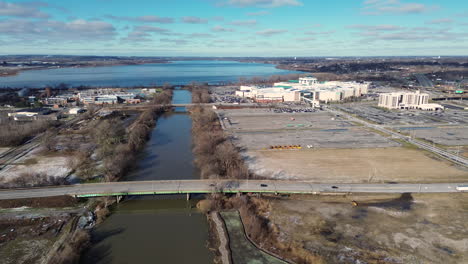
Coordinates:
(176, 73)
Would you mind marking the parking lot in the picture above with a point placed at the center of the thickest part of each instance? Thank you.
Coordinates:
(449, 136)
(226, 94)
(406, 117)
(324, 138)
(334, 149)
(256, 129)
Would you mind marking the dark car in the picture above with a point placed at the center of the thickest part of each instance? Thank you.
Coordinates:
(334, 187)
(263, 185)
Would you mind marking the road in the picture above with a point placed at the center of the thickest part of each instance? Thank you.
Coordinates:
(421, 144)
(226, 186)
(145, 106)
(424, 81)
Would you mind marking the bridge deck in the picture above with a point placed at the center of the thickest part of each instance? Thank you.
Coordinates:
(225, 186)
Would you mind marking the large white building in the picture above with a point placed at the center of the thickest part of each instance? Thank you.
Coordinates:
(307, 87)
(407, 100)
(269, 94)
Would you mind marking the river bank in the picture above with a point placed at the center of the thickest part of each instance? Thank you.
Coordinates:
(111, 149)
(215, 155)
(153, 229)
(261, 239)
(12, 71)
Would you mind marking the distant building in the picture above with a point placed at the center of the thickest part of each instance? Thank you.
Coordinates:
(308, 81)
(76, 110)
(407, 100)
(269, 95)
(30, 114)
(101, 98)
(61, 101)
(308, 87)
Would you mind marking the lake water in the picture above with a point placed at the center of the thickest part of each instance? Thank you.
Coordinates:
(176, 73)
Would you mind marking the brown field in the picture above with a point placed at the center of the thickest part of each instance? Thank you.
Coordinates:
(355, 165)
(418, 228)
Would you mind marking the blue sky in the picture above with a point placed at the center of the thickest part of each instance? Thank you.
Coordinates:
(235, 27)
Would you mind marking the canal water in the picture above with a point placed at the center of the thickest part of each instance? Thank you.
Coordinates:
(159, 229)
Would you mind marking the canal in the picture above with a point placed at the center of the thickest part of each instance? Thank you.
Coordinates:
(159, 229)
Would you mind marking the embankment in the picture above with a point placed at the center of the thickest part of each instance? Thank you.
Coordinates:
(215, 154)
(260, 231)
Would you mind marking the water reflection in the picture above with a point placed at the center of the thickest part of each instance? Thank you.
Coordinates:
(157, 229)
(151, 231)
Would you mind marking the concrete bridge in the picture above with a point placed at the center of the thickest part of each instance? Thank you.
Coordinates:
(145, 106)
(224, 186)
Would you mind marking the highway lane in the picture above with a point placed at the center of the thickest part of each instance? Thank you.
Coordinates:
(227, 186)
(424, 81)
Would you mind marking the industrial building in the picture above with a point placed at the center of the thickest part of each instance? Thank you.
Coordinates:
(59, 100)
(113, 98)
(32, 114)
(407, 100)
(308, 88)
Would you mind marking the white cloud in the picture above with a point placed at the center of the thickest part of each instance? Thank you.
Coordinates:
(57, 30)
(263, 3)
(157, 30)
(175, 41)
(270, 32)
(151, 29)
(25, 10)
(194, 20)
(377, 7)
(321, 33)
(137, 36)
(370, 34)
(200, 35)
(384, 27)
(251, 22)
(144, 19)
(221, 29)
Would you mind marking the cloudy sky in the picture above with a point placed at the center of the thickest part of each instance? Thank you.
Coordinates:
(235, 27)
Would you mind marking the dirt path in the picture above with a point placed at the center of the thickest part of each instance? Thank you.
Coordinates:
(223, 238)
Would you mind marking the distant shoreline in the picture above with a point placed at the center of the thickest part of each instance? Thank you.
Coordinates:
(10, 73)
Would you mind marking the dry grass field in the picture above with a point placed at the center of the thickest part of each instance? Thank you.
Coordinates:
(375, 165)
(418, 228)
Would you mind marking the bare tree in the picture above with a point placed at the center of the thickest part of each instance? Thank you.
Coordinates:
(49, 140)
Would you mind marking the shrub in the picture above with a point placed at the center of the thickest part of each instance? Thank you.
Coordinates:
(215, 154)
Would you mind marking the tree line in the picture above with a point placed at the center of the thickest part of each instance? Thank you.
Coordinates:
(215, 154)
